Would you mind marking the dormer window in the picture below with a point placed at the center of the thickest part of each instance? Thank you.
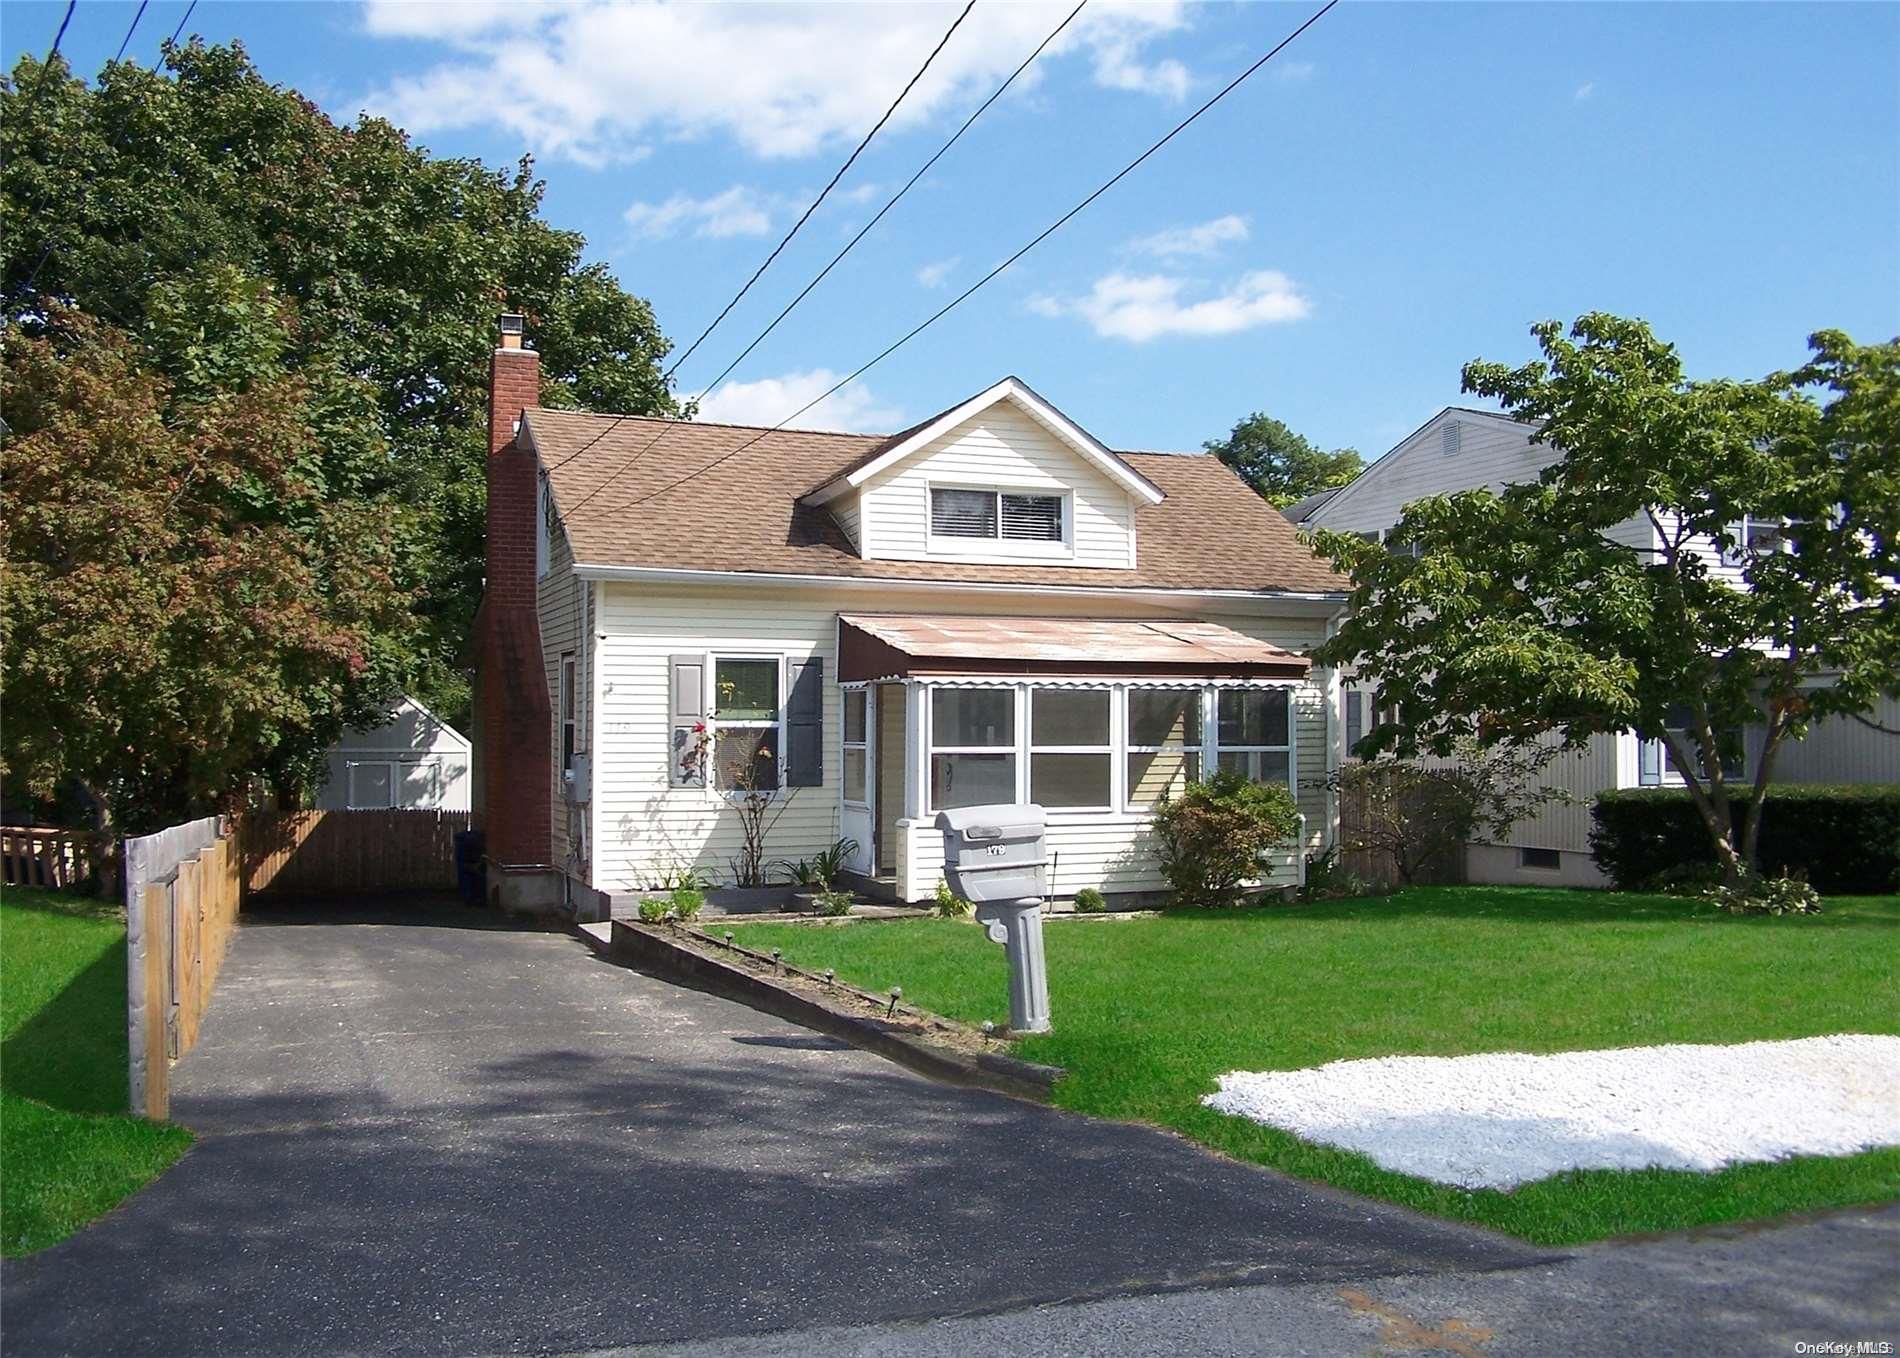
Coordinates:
(964, 516)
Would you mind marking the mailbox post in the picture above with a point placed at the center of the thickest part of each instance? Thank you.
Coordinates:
(993, 857)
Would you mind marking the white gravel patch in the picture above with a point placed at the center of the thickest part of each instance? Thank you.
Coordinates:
(1508, 1118)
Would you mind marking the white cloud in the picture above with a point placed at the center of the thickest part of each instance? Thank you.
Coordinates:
(737, 212)
(770, 399)
(937, 273)
(1293, 72)
(1140, 308)
(591, 79)
(1585, 90)
(1206, 238)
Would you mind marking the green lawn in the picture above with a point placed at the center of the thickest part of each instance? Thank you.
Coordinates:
(1148, 1012)
(68, 1149)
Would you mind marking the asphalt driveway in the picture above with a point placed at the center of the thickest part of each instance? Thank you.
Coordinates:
(419, 1136)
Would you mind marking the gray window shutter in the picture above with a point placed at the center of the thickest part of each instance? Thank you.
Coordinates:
(805, 723)
(686, 708)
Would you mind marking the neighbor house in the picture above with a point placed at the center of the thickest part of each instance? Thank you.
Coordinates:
(410, 760)
(1465, 449)
(990, 606)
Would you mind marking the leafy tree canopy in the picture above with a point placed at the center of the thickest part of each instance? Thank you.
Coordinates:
(218, 261)
(127, 198)
(1282, 465)
(1759, 592)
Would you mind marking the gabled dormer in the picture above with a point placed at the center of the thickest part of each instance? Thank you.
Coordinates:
(1003, 477)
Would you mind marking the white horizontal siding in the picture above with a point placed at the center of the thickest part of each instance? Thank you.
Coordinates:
(647, 828)
(845, 510)
(1842, 750)
(560, 602)
(1006, 448)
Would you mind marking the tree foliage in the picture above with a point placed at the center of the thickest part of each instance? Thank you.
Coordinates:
(197, 588)
(1531, 611)
(126, 197)
(1282, 465)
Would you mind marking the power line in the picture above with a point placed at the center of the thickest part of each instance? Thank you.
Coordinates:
(945, 310)
(826, 190)
(182, 22)
(130, 29)
(53, 51)
(849, 245)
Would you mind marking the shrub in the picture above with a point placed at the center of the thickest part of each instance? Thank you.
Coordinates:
(653, 910)
(1328, 879)
(834, 902)
(1843, 839)
(1213, 836)
(1090, 901)
(1771, 896)
(688, 902)
(949, 904)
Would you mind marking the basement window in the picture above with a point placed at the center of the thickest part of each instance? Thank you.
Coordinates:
(1548, 860)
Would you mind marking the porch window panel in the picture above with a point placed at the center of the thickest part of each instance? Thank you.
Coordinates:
(1164, 740)
(854, 716)
(963, 718)
(1153, 774)
(966, 779)
(1069, 716)
(855, 755)
(1253, 717)
(1072, 781)
(1259, 766)
(854, 773)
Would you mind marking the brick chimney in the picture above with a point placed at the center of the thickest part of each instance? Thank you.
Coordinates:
(515, 715)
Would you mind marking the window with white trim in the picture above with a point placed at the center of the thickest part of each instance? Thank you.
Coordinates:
(856, 749)
(1355, 701)
(1071, 750)
(745, 720)
(972, 747)
(1755, 535)
(372, 785)
(998, 515)
(1253, 733)
(1164, 743)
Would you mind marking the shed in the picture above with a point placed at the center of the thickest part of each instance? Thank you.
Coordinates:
(412, 761)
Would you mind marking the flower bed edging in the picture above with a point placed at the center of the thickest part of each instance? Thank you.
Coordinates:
(914, 1038)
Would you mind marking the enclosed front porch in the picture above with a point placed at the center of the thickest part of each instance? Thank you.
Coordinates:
(1095, 720)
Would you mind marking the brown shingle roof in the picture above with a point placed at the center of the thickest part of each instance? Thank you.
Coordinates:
(1211, 532)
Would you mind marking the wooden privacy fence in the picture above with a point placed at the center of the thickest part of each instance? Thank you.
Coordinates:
(48, 857)
(343, 852)
(182, 893)
(1371, 867)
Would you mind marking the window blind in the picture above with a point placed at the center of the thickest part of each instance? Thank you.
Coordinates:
(963, 513)
(1032, 518)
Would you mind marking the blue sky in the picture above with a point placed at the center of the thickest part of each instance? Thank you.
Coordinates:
(1407, 187)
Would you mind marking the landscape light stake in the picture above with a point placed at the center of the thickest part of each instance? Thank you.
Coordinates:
(777, 968)
(897, 993)
(830, 976)
(728, 938)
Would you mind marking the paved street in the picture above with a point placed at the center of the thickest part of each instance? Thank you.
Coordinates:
(418, 1136)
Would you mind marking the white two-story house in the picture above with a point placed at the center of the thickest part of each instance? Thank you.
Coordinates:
(990, 606)
(1465, 449)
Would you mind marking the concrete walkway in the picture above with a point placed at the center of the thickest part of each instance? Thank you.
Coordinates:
(419, 1136)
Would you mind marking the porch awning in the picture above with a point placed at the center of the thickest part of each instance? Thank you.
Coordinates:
(893, 646)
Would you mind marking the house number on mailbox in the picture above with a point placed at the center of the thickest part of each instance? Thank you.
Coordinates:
(995, 851)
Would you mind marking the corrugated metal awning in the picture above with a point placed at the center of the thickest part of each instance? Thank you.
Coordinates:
(888, 646)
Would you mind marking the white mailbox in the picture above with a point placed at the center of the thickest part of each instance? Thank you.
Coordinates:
(993, 857)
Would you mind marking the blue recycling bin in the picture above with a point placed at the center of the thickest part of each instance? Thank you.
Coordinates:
(471, 869)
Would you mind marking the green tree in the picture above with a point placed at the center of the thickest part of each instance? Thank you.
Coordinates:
(124, 198)
(1282, 465)
(194, 591)
(1768, 599)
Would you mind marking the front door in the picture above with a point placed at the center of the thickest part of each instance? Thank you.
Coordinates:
(857, 786)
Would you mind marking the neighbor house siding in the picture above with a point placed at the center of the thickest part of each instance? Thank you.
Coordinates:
(648, 828)
(1490, 454)
(1842, 750)
(1000, 447)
